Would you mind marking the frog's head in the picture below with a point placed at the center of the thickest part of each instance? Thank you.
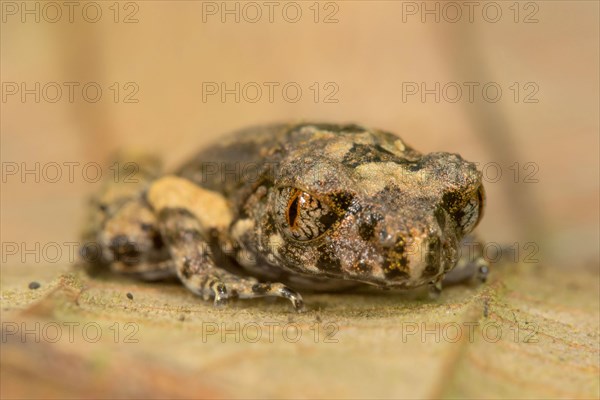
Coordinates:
(362, 205)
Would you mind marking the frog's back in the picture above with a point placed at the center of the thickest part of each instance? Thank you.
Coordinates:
(236, 161)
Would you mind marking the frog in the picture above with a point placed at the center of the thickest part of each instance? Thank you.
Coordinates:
(277, 209)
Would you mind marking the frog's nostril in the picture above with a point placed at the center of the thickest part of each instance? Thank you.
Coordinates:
(389, 238)
(386, 237)
(369, 226)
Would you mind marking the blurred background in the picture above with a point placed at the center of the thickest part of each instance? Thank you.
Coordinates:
(511, 85)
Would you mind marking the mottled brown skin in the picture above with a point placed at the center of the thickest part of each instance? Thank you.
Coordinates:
(313, 206)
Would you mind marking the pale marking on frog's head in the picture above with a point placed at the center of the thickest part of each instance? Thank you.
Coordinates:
(375, 177)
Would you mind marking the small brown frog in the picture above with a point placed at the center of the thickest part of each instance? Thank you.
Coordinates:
(273, 209)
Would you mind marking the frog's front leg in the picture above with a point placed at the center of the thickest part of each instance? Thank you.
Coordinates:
(196, 266)
(471, 266)
(186, 214)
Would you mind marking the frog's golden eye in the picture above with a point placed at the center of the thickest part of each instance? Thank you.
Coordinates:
(301, 215)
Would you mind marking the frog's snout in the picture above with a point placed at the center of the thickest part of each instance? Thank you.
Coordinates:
(416, 255)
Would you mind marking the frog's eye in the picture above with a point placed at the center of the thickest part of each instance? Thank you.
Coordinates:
(472, 212)
(467, 214)
(301, 215)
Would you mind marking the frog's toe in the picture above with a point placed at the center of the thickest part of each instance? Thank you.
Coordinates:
(279, 290)
(220, 292)
(294, 297)
(482, 272)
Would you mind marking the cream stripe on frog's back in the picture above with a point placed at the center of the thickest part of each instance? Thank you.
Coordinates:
(210, 208)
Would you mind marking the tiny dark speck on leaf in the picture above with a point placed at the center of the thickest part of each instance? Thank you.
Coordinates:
(34, 285)
(129, 296)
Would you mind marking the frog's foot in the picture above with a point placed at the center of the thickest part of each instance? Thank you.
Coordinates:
(471, 267)
(227, 286)
(466, 271)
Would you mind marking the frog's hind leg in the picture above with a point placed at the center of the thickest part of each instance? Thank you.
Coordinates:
(146, 271)
(184, 225)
